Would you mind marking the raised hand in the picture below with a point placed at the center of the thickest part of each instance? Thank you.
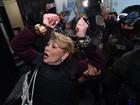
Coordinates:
(51, 20)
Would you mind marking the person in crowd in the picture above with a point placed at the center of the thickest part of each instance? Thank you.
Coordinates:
(112, 29)
(69, 29)
(121, 81)
(120, 39)
(49, 20)
(111, 22)
(92, 10)
(50, 6)
(89, 57)
(55, 81)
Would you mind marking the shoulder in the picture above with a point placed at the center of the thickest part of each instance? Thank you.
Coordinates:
(128, 58)
(130, 54)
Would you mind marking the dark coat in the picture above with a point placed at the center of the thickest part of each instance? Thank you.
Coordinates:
(122, 80)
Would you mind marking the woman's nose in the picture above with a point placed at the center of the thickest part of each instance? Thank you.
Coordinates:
(47, 48)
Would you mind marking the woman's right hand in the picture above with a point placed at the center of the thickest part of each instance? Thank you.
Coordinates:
(51, 20)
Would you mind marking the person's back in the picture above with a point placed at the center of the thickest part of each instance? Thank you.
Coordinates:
(122, 81)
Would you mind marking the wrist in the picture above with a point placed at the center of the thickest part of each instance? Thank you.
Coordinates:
(40, 29)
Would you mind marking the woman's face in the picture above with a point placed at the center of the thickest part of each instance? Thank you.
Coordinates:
(53, 54)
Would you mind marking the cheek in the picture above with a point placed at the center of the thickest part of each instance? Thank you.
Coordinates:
(57, 55)
(45, 60)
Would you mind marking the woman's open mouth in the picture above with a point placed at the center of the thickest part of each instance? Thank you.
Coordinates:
(45, 56)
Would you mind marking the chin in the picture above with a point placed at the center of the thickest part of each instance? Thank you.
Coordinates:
(45, 60)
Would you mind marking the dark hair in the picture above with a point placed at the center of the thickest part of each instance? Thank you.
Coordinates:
(115, 13)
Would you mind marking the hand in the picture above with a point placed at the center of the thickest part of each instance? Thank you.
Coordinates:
(92, 71)
(51, 20)
(40, 29)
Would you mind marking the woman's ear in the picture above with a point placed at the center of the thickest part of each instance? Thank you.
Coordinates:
(64, 56)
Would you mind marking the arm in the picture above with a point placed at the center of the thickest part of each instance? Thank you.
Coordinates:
(96, 60)
(22, 45)
(116, 75)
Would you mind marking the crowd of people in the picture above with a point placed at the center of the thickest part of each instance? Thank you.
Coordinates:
(88, 51)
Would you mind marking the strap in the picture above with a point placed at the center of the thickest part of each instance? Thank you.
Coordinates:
(32, 81)
(32, 93)
(26, 93)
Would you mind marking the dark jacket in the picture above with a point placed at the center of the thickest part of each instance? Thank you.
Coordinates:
(123, 79)
(55, 85)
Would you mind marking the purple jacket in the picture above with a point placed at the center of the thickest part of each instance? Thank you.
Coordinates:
(22, 45)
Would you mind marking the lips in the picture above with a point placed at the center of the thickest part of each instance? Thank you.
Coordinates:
(45, 55)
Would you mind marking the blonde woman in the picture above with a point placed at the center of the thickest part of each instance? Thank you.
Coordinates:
(55, 82)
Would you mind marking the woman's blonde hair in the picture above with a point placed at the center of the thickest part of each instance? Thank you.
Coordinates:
(63, 41)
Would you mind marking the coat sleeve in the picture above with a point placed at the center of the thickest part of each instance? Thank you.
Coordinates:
(115, 75)
(22, 45)
(95, 57)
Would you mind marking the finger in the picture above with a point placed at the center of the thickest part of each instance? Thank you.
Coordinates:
(85, 72)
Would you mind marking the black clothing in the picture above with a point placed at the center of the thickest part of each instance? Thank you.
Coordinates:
(93, 8)
(55, 85)
(119, 42)
(88, 53)
(122, 81)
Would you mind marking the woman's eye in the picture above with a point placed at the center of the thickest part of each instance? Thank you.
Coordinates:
(54, 45)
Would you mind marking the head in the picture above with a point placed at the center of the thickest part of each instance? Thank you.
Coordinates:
(130, 16)
(112, 16)
(68, 25)
(130, 19)
(58, 49)
(50, 7)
